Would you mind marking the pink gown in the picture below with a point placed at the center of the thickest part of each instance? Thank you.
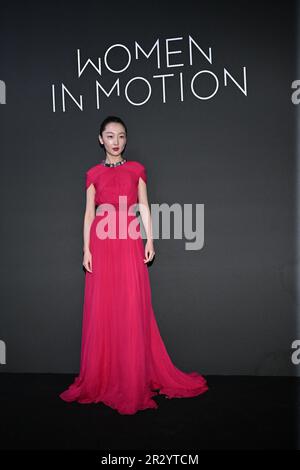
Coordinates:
(124, 361)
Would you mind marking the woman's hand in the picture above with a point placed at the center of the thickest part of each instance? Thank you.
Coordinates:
(87, 261)
(149, 251)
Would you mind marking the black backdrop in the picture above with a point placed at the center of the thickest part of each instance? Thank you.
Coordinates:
(229, 308)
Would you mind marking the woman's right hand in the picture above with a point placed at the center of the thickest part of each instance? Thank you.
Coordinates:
(87, 261)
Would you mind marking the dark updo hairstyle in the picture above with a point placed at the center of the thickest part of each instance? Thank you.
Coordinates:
(109, 119)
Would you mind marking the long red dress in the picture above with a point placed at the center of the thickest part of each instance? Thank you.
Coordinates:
(124, 361)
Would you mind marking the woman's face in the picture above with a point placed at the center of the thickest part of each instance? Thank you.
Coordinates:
(113, 138)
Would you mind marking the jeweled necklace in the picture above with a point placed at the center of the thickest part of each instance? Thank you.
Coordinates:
(121, 162)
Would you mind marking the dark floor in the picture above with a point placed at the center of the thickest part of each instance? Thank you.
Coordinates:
(237, 412)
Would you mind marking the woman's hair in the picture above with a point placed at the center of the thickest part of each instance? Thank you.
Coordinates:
(109, 119)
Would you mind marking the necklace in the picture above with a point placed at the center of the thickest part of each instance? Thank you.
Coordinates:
(121, 162)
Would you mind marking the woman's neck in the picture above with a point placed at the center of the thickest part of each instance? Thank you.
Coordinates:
(113, 159)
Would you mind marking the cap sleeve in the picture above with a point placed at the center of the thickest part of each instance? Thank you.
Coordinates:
(89, 177)
(142, 172)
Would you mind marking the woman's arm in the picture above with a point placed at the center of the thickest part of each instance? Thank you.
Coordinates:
(146, 218)
(88, 219)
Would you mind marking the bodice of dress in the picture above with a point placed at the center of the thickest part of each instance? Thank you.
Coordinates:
(112, 182)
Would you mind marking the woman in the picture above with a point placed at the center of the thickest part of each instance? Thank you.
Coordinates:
(124, 362)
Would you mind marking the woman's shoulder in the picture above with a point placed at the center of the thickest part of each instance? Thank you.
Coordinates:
(140, 170)
(92, 174)
(136, 164)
